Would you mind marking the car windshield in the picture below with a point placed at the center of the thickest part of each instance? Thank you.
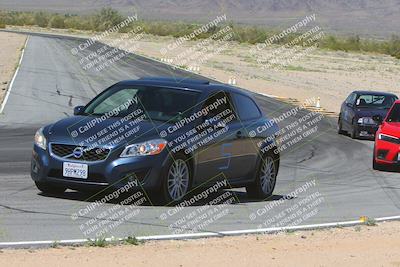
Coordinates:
(155, 103)
(394, 114)
(375, 101)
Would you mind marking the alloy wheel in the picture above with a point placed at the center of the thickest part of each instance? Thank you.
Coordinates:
(178, 179)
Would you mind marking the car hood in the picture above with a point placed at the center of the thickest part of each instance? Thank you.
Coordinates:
(368, 112)
(92, 131)
(391, 128)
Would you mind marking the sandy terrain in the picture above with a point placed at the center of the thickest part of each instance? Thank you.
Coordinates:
(325, 74)
(354, 246)
(329, 75)
(10, 51)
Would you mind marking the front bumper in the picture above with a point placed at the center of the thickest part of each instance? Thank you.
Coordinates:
(387, 153)
(364, 130)
(111, 173)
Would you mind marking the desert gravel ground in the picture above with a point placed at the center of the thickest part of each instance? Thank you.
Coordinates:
(352, 246)
(10, 51)
(329, 75)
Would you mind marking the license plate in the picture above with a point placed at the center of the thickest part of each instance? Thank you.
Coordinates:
(75, 170)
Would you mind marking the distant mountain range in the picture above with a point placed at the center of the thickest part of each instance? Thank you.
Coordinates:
(364, 17)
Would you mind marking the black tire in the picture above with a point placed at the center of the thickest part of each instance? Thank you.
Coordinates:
(48, 188)
(353, 134)
(340, 127)
(256, 190)
(166, 195)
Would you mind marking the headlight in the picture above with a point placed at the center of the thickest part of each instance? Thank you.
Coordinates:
(40, 140)
(366, 120)
(389, 138)
(152, 147)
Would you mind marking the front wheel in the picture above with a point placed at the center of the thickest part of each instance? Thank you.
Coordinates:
(354, 133)
(264, 185)
(48, 188)
(176, 180)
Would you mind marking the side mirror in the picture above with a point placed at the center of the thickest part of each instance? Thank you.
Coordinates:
(78, 110)
(378, 119)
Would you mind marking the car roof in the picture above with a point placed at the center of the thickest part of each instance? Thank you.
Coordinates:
(373, 92)
(201, 85)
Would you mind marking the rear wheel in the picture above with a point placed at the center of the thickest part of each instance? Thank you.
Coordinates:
(48, 188)
(264, 184)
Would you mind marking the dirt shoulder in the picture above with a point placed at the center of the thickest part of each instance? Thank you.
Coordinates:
(354, 246)
(11, 45)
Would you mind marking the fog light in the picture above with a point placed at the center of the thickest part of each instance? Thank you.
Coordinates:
(35, 166)
(382, 154)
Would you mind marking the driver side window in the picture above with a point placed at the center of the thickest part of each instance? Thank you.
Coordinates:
(117, 100)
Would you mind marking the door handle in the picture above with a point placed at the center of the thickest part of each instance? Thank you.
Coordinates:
(240, 134)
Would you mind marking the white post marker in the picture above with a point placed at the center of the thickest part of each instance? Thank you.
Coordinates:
(318, 104)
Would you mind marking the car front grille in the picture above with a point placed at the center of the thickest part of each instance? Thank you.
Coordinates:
(67, 152)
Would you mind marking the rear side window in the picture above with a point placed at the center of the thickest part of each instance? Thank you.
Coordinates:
(246, 107)
(219, 105)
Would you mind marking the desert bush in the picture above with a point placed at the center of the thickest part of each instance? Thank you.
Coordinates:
(105, 19)
(41, 19)
(57, 21)
(392, 47)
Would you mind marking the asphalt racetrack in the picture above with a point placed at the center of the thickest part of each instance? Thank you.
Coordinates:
(332, 168)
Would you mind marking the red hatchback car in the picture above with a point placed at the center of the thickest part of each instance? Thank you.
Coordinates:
(387, 141)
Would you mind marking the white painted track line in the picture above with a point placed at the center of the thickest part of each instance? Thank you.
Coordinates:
(13, 78)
